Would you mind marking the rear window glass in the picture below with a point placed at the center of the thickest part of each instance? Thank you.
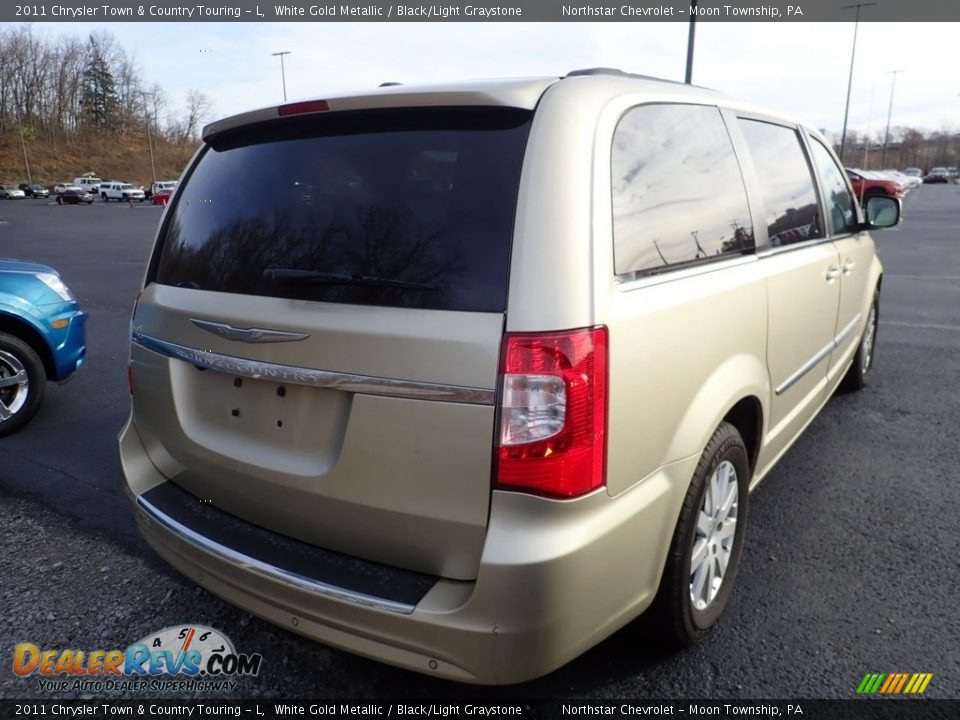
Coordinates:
(406, 208)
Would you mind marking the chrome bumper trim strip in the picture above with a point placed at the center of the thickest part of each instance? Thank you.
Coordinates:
(348, 382)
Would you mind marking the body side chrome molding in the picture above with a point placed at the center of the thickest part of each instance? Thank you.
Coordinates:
(248, 335)
(349, 382)
(274, 573)
(821, 354)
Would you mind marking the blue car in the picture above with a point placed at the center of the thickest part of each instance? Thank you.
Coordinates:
(42, 337)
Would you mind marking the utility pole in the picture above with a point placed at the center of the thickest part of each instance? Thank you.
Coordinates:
(886, 136)
(153, 165)
(690, 38)
(23, 144)
(283, 73)
(853, 55)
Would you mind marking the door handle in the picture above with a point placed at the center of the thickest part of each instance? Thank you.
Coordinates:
(848, 266)
(832, 274)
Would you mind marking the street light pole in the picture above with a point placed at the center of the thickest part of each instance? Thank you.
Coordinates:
(853, 54)
(690, 37)
(283, 73)
(886, 135)
(958, 156)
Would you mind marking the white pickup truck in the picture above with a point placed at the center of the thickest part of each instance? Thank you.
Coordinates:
(124, 192)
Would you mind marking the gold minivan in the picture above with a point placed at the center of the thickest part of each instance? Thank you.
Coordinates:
(472, 375)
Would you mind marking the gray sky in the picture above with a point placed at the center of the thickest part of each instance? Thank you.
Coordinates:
(797, 68)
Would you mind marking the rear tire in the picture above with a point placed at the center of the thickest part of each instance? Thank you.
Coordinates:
(856, 377)
(23, 383)
(707, 542)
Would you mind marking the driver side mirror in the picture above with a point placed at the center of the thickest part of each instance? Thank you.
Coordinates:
(881, 211)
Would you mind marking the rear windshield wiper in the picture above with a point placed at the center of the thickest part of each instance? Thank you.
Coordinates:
(290, 275)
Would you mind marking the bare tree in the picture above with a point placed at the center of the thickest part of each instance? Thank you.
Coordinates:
(199, 107)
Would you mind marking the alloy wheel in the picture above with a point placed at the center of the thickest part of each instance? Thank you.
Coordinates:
(714, 536)
(14, 385)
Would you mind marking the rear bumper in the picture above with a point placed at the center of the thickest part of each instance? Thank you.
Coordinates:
(555, 578)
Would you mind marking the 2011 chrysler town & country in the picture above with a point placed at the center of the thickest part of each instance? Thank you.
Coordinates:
(484, 371)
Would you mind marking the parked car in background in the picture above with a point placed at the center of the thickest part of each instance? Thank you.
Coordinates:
(867, 184)
(88, 182)
(75, 196)
(952, 172)
(161, 196)
(120, 191)
(499, 378)
(42, 338)
(908, 182)
(33, 190)
(61, 186)
(161, 186)
(937, 175)
(914, 172)
(11, 192)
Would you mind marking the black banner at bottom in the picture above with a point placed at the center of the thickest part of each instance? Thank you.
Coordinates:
(864, 708)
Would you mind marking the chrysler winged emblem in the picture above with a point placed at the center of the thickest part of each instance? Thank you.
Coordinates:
(248, 335)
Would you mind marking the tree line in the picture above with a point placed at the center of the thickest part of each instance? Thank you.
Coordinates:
(57, 88)
(906, 147)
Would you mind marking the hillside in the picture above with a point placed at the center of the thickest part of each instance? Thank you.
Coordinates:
(120, 158)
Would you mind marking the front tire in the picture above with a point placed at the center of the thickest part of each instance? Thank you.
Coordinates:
(856, 377)
(707, 542)
(23, 383)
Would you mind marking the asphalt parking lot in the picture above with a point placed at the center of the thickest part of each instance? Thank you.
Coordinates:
(850, 564)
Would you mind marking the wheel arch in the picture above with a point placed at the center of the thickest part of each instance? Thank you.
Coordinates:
(747, 417)
(734, 393)
(20, 328)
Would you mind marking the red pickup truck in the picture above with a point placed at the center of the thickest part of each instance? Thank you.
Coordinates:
(867, 184)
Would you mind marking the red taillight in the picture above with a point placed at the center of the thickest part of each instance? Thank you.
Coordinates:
(298, 108)
(553, 412)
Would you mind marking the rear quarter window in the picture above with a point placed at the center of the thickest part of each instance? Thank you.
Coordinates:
(405, 208)
(677, 192)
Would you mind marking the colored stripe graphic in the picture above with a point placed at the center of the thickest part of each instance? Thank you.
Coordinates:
(870, 683)
(894, 683)
(901, 682)
(886, 684)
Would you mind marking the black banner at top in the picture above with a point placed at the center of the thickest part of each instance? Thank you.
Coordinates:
(478, 11)
(572, 709)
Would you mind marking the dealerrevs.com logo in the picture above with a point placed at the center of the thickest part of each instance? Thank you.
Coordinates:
(184, 658)
(894, 683)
